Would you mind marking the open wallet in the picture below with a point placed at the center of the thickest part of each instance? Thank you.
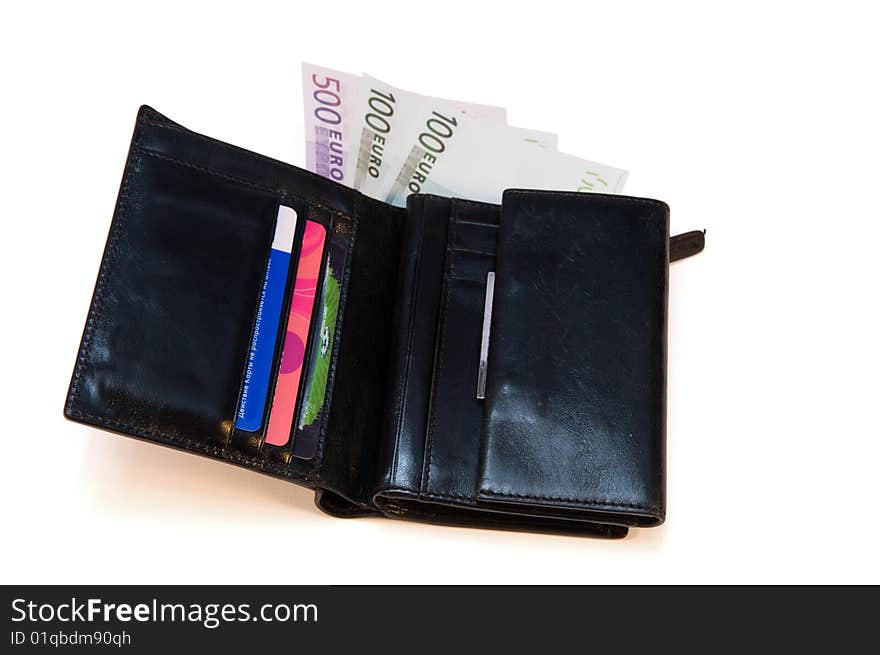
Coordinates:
(455, 362)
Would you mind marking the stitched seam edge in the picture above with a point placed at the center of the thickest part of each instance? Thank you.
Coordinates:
(234, 150)
(614, 198)
(238, 180)
(580, 501)
(220, 452)
(253, 156)
(464, 201)
(474, 500)
(107, 263)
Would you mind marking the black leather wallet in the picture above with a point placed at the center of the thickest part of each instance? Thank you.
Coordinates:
(541, 409)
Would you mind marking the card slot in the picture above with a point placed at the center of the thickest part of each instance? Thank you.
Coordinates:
(455, 413)
(304, 438)
(469, 265)
(294, 340)
(294, 454)
(293, 346)
(473, 237)
(320, 363)
(414, 332)
(471, 251)
(467, 280)
(464, 221)
(261, 367)
(437, 273)
(358, 392)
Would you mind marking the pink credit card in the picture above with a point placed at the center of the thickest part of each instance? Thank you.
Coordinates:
(298, 322)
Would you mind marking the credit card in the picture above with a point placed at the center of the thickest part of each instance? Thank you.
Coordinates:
(262, 351)
(297, 336)
(305, 441)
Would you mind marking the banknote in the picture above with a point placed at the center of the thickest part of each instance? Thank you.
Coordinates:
(484, 172)
(388, 143)
(332, 128)
(434, 137)
(384, 109)
(457, 148)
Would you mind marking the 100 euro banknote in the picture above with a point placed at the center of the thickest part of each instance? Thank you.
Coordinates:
(438, 141)
(484, 173)
(385, 113)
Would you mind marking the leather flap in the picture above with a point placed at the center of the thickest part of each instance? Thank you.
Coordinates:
(164, 348)
(575, 398)
(163, 353)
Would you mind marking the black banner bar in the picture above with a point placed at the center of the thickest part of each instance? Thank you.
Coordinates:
(417, 619)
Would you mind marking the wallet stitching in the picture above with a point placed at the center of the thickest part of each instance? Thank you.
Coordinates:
(96, 312)
(216, 451)
(213, 172)
(107, 263)
(582, 501)
(401, 408)
(230, 178)
(235, 150)
(259, 187)
(441, 358)
(625, 200)
(238, 152)
(475, 502)
(470, 203)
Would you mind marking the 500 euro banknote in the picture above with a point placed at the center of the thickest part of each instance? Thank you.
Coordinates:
(349, 118)
(332, 128)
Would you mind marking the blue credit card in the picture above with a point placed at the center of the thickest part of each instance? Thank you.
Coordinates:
(261, 354)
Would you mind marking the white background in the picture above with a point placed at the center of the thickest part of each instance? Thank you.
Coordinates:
(758, 122)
